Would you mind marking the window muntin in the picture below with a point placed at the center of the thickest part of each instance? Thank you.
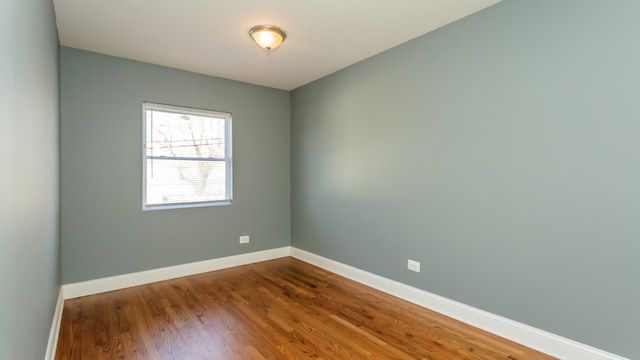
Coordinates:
(186, 157)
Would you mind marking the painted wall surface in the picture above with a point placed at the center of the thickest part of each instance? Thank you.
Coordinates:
(502, 152)
(104, 230)
(29, 179)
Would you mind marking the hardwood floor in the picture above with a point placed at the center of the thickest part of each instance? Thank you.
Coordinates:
(280, 309)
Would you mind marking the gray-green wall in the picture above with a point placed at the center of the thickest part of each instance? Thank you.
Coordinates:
(104, 230)
(29, 179)
(502, 152)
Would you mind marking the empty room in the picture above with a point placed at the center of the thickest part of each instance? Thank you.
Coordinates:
(438, 179)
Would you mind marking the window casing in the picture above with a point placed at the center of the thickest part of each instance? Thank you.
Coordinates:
(186, 157)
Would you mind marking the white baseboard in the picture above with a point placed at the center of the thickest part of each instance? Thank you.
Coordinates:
(52, 344)
(145, 277)
(526, 335)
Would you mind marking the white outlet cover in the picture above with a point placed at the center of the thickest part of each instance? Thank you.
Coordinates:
(413, 265)
(245, 239)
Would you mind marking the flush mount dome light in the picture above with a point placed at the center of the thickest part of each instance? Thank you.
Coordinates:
(267, 37)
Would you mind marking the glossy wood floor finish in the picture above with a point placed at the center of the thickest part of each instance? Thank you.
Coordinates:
(280, 309)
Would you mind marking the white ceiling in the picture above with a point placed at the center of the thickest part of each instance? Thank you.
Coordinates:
(211, 36)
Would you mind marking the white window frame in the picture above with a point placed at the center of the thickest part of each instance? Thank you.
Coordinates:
(227, 159)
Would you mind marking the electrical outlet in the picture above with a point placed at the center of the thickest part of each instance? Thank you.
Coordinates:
(245, 239)
(413, 265)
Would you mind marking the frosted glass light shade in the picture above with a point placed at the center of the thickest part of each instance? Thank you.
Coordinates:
(267, 37)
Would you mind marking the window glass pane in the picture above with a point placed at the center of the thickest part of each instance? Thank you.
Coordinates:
(172, 181)
(180, 135)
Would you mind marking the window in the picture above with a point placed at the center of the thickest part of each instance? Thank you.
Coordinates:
(187, 157)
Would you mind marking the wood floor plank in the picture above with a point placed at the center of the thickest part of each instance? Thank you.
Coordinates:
(281, 309)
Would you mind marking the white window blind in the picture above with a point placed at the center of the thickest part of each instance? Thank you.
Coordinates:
(187, 157)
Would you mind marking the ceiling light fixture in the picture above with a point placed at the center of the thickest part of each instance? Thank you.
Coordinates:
(267, 37)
